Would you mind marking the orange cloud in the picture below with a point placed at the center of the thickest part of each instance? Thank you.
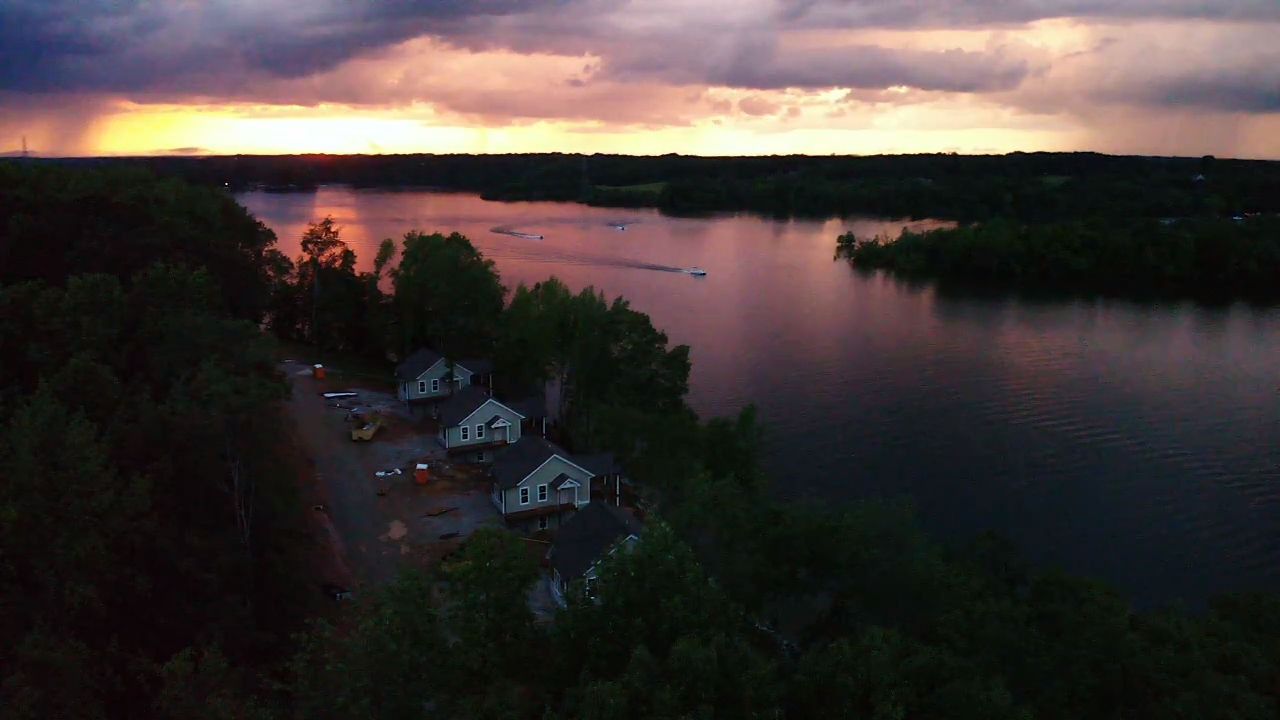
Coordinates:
(655, 76)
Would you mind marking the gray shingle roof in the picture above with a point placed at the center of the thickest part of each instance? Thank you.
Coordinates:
(585, 537)
(599, 463)
(460, 404)
(417, 363)
(532, 406)
(514, 462)
(477, 365)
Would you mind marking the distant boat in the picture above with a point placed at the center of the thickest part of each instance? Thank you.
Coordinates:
(619, 227)
(696, 271)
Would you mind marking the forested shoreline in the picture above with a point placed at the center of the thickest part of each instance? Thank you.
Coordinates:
(1204, 258)
(153, 563)
(1032, 187)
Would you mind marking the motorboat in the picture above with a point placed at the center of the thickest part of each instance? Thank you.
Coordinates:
(696, 271)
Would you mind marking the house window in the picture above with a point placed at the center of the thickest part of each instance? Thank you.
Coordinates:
(591, 587)
(542, 493)
(422, 387)
(480, 431)
(544, 522)
(435, 385)
(480, 456)
(524, 496)
(466, 432)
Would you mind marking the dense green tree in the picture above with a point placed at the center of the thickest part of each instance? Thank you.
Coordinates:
(534, 334)
(118, 551)
(618, 378)
(488, 587)
(652, 596)
(388, 660)
(59, 220)
(200, 684)
(882, 675)
(456, 644)
(321, 299)
(661, 640)
(64, 571)
(333, 299)
(447, 295)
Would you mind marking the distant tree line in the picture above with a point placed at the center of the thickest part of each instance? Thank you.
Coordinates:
(153, 562)
(1034, 187)
(1208, 258)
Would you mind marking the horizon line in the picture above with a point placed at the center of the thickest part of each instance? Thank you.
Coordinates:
(35, 155)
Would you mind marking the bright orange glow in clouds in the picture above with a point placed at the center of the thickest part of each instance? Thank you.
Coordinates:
(335, 129)
(659, 76)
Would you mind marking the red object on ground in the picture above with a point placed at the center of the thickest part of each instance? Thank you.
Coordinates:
(421, 472)
(318, 372)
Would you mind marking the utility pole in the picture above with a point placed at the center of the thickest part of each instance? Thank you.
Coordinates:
(24, 146)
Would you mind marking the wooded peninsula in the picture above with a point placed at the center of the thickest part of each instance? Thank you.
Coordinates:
(155, 563)
(1207, 258)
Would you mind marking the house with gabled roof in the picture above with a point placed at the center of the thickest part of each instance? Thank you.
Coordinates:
(585, 539)
(474, 423)
(537, 484)
(426, 375)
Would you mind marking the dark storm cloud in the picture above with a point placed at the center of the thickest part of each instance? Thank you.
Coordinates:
(869, 66)
(1248, 90)
(981, 13)
(224, 49)
(210, 47)
(279, 51)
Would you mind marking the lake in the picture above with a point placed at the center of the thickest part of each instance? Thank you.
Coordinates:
(1137, 442)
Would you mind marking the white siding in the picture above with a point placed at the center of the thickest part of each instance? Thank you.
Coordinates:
(432, 377)
(453, 434)
(544, 476)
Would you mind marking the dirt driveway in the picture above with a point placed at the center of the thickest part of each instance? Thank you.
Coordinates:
(383, 521)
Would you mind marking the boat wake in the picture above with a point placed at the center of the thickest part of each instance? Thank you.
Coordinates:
(515, 233)
(547, 255)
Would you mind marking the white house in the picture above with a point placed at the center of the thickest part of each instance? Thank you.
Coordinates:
(537, 484)
(427, 375)
(472, 421)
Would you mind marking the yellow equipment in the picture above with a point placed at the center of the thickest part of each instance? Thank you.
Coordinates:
(366, 427)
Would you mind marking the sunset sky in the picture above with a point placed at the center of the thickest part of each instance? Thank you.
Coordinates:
(1183, 77)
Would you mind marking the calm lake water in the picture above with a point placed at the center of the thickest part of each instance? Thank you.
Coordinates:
(1138, 442)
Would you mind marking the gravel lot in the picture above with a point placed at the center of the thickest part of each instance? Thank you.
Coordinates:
(383, 521)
